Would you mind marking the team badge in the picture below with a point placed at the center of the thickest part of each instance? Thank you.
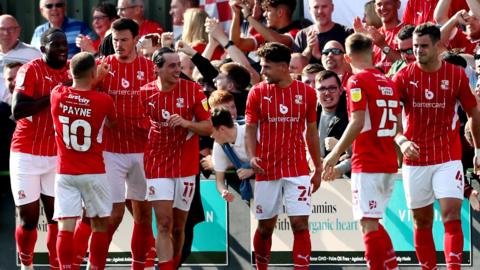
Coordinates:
(283, 109)
(140, 75)
(181, 102)
(429, 94)
(165, 114)
(372, 204)
(445, 84)
(151, 190)
(298, 99)
(125, 83)
(259, 209)
(21, 194)
(205, 104)
(356, 94)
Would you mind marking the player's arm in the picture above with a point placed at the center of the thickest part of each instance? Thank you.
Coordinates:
(25, 106)
(202, 128)
(244, 44)
(440, 15)
(408, 148)
(353, 129)
(313, 144)
(251, 147)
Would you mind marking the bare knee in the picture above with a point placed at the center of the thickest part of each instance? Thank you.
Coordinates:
(116, 217)
(164, 225)
(299, 223)
(423, 217)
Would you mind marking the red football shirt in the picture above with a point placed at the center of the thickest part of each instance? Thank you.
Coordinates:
(149, 27)
(461, 41)
(79, 117)
(34, 134)
(281, 114)
(380, 59)
(123, 84)
(421, 11)
(374, 148)
(430, 101)
(172, 152)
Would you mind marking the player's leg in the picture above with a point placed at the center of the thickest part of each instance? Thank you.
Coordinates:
(64, 243)
(297, 196)
(178, 234)
(268, 204)
(419, 195)
(448, 186)
(26, 231)
(99, 242)
(81, 237)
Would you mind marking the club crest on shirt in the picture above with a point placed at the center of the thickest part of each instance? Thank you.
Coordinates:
(445, 84)
(180, 102)
(298, 99)
(429, 94)
(283, 109)
(165, 114)
(140, 75)
(205, 104)
(356, 94)
(125, 83)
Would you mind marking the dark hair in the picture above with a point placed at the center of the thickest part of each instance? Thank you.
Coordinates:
(44, 39)
(106, 46)
(158, 58)
(237, 74)
(326, 74)
(108, 9)
(359, 43)
(12, 65)
(429, 29)
(126, 24)
(290, 4)
(312, 68)
(81, 63)
(455, 59)
(221, 117)
(406, 32)
(275, 52)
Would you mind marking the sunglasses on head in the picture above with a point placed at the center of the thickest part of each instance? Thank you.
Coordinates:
(57, 5)
(334, 51)
(407, 51)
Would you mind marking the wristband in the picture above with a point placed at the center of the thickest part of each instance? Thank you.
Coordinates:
(400, 140)
(229, 43)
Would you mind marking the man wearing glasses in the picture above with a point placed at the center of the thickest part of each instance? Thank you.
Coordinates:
(405, 47)
(332, 59)
(133, 9)
(54, 12)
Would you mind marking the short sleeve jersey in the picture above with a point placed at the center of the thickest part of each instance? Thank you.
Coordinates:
(123, 83)
(380, 58)
(374, 148)
(281, 114)
(430, 101)
(79, 118)
(34, 134)
(172, 151)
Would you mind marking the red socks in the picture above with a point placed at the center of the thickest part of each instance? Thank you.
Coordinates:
(302, 249)
(390, 256)
(65, 249)
(176, 261)
(81, 238)
(52, 232)
(142, 233)
(374, 250)
(25, 244)
(262, 250)
(453, 244)
(98, 250)
(152, 253)
(168, 265)
(425, 248)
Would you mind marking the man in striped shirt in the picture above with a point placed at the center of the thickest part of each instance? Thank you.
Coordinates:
(280, 108)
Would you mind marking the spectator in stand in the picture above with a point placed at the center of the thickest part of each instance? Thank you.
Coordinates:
(235, 79)
(279, 27)
(134, 9)
(54, 12)
(177, 9)
(12, 49)
(370, 17)
(454, 38)
(333, 59)
(297, 63)
(310, 72)
(311, 40)
(194, 32)
(103, 16)
(405, 46)
(445, 9)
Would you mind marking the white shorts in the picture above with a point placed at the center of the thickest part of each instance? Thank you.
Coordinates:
(71, 190)
(370, 194)
(30, 176)
(424, 184)
(125, 171)
(179, 190)
(296, 193)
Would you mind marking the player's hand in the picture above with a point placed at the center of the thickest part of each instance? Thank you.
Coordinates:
(183, 47)
(315, 180)
(228, 196)
(206, 163)
(244, 173)
(176, 120)
(473, 199)
(410, 150)
(255, 163)
(330, 143)
(358, 26)
(102, 69)
(476, 161)
(329, 163)
(166, 39)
